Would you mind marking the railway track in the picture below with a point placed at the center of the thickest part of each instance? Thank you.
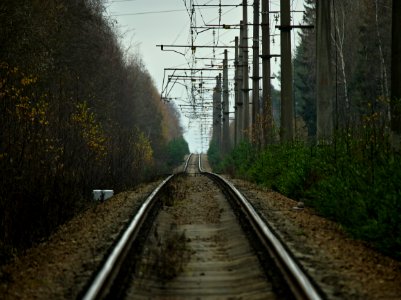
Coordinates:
(197, 237)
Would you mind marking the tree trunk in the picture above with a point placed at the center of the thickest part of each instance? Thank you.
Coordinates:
(324, 81)
(396, 75)
(383, 73)
(266, 99)
(287, 107)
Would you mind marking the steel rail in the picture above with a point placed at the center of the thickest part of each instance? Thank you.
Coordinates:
(187, 162)
(99, 287)
(300, 284)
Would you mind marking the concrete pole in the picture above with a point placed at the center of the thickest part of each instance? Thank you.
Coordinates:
(216, 118)
(226, 114)
(324, 86)
(287, 109)
(245, 76)
(266, 85)
(255, 76)
(218, 113)
(240, 103)
(236, 95)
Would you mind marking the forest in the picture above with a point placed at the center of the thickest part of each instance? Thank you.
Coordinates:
(77, 113)
(354, 177)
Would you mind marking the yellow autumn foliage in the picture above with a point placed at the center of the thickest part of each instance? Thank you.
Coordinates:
(90, 130)
(26, 109)
(142, 151)
(27, 80)
(33, 111)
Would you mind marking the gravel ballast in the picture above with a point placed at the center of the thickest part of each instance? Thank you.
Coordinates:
(61, 267)
(344, 268)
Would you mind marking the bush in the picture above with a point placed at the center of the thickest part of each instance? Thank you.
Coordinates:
(176, 150)
(346, 182)
(214, 156)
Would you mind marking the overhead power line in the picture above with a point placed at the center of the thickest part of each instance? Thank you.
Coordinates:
(149, 12)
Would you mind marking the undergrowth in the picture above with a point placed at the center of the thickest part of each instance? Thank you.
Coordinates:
(355, 182)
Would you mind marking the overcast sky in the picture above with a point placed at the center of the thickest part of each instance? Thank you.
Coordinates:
(143, 24)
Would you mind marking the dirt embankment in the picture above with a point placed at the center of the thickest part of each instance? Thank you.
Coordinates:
(345, 268)
(60, 267)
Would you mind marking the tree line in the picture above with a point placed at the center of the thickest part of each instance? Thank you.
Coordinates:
(353, 176)
(361, 59)
(76, 113)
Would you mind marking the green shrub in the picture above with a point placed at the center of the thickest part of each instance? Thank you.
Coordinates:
(353, 182)
(214, 156)
(176, 150)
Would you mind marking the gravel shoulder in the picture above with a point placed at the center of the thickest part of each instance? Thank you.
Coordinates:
(343, 267)
(60, 267)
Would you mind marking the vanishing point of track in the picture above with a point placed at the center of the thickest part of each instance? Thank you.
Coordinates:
(197, 237)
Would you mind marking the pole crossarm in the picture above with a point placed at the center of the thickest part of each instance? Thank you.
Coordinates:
(197, 46)
(211, 58)
(224, 26)
(277, 11)
(192, 46)
(192, 78)
(192, 69)
(196, 105)
(290, 27)
(268, 56)
(232, 25)
(218, 5)
(189, 76)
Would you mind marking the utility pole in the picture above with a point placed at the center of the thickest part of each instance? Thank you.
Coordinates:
(255, 78)
(217, 113)
(245, 76)
(226, 119)
(287, 110)
(395, 102)
(240, 103)
(267, 123)
(324, 88)
(236, 95)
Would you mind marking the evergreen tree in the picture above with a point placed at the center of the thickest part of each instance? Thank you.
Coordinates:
(305, 71)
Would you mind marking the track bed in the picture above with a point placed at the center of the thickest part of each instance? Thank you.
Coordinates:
(197, 249)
